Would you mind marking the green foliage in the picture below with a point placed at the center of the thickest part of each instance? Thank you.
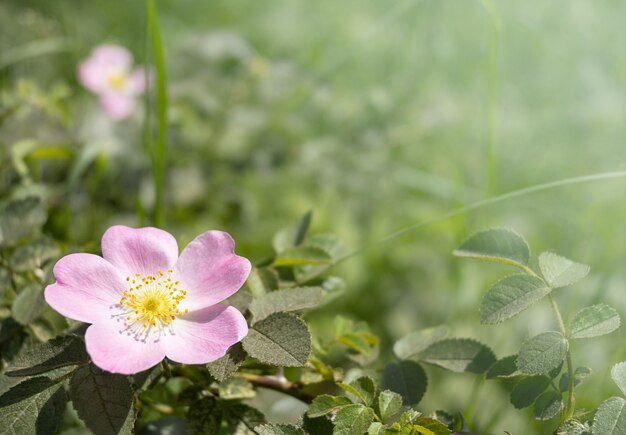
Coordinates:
(293, 299)
(353, 419)
(408, 379)
(40, 358)
(362, 388)
(511, 296)
(224, 367)
(528, 389)
(542, 353)
(610, 418)
(459, 355)
(325, 404)
(618, 374)
(28, 304)
(279, 429)
(594, 321)
(499, 245)
(412, 344)
(548, 405)
(559, 271)
(19, 219)
(389, 404)
(204, 416)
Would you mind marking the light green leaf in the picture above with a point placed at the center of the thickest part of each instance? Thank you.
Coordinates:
(408, 379)
(242, 419)
(610, 418)
(498, 245)
(104, 401)
(389, 403)
(293, 236)
(325, 404)
(224, 367)
(527, 390)
(548, 405)
(510, 296)
(302, 255)
(503, 368)
(28, 304)
(559, 271)
(594, 321)
(459, 355)
(281, 339)
(618, 374)
(278, 429)
(262, 280)
(20, 218)
(204, 416)
(415, 342)
(58, 352)
(579, 375)
(542, 353)
(235, 389)
(363, 388)
(292, 299)
(353, 419)
(34, 255)
(35, 406)
(430, 426)
(375, 428)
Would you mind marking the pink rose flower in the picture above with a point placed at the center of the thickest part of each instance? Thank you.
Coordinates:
(144, 302)
(108, 73)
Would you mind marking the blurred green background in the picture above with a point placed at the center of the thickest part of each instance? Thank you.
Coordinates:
(374, 114)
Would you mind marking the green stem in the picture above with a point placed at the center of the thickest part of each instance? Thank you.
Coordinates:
(569, 409)
(158, 150)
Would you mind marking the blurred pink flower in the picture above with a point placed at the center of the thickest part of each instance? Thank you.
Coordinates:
(108, 73)
(144, 302)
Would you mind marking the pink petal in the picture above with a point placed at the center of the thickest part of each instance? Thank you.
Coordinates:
(138, 81)
(204, 336)
(114, 56)
(139, 250)
(93, 72)
(117, 106)
(209, 270)
(86, 286)
(116, 352)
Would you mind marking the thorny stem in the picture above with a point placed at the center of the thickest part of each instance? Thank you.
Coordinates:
(569, 410)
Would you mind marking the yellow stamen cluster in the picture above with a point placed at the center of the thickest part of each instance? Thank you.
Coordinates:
(117, 80)
(152, 300)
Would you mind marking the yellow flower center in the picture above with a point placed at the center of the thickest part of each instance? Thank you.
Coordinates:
(150, 302)
(117, 80)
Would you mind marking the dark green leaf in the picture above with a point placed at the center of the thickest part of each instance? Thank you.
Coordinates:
(579, 375)
(559, 271)
(415, 342)
(104, 401)
(363, 388)
(281, 339)
(292, 299)
(58, 352)
(503, 368)
(20, 218)
(224, 367)
(242, 419)
(353, 420)
(459, 355)
(610, 418)
(594, 321)
(389, 403)
(28, 304)
(325, 404)
(542, 353)
(527, 390)
(510, 296)
(300, 256)
(548, 405)
(408, 379)
(498, 245)
(204, 417)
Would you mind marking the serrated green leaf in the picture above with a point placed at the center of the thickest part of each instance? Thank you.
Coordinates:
(58, 352)
(28, 304)
(293, 236)
(242, 419)
(610, 418)
(618, 374)
(280, 339)
(408, 379)
(34, 255)
(548, 405)
(292, 299)
(430, 426)
(503, 368)
(363, 388)
(498, 245)
(262, 280)
(375, 428)
(301, 256)
(560, 271)
(279, 429)
(104, 401)
(579, 375)
(35, 406)
(353, 419)
(389, 404)
(20, 218)
(527, 390)
(236, 389)
(415, 342)
(325, 404)
(224, 367)
(594, 321)
(542, 353)
(510, 296)
(204, 416)
(459, 355)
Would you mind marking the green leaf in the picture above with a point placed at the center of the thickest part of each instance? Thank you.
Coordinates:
(242, 419)
(293, 236)
(20, 218)
(224, 367)
(235, 389)
(5, 280)
(35, 406)
(58, 352)
(104, 401)
(389, 404)
(511, 296)
(353, 419)
(325, 404)
(559, 271)
(278, 429)
(204, 416)
(292, 299)
(415, 342)
(548, 405)
(430, 426)
(375, 428)
(363, 388)
(610, 418)
(459, 355)
(527, 390)
(594, 321)
(573, 427)
(300, 256)
(281, 339)
(408, 379)
(499, 245)
(28, 304)
(262, 280)
(503, 368)
(618, 374)
(34, 255)
(542, 353)
(579, 375)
